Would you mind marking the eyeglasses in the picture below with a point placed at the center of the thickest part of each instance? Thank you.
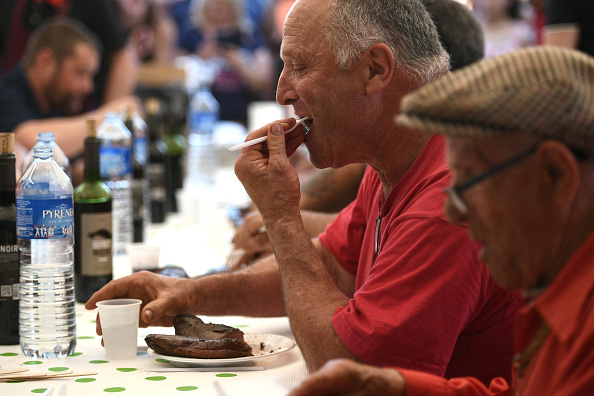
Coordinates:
(454, 193)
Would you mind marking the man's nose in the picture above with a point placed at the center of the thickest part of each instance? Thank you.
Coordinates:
(285, 93)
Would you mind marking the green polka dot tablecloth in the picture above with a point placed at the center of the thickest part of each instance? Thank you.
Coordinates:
(132, 377)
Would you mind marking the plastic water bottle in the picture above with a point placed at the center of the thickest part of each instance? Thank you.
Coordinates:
(45, 237)
(140, 188)
(49, 139)
(139, 130)
(115, 158)
(203, 158)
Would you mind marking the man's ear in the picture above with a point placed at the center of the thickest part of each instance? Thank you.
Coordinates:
(561, 171)
(45, 61)
(379, 68)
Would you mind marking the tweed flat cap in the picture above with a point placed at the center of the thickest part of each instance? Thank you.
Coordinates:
(546, 91)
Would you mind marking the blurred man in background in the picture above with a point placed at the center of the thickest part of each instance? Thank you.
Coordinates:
(47, 90)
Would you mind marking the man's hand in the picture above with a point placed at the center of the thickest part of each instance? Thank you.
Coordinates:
(250, 242)
(251, 235)
(162, 297)
(348, 378)
(266, 173)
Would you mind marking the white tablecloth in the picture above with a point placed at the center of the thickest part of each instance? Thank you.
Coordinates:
(197, 239)
(128, 377)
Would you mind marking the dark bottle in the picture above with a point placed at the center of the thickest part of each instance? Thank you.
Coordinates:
(9, 252)
(156, 161)
(139, 182)
(92, 224)
(176, 148)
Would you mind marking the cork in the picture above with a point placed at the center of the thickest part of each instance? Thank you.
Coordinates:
(91, 127)
(152, 105)
(129, 111)
(6, 143)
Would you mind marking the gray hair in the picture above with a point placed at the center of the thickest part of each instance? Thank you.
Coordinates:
(403, 25)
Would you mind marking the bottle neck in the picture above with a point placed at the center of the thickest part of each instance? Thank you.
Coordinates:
(46, 138)
(129, 123)
(172, 129)
(7, 180)
(155, 126)
(92, 173)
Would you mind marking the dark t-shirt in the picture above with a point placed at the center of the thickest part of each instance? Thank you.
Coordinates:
(100, 16)
(17, 101)
(574, 12)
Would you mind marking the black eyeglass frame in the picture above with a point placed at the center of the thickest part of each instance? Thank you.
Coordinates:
(454, 192)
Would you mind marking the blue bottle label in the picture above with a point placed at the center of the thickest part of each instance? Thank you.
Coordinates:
(45, 218)
(115, 162)
(203, 122)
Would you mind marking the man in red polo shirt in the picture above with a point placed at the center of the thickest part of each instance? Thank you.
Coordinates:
(391, 282)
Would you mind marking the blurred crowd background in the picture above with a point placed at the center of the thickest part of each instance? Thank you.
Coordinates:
(230, 47)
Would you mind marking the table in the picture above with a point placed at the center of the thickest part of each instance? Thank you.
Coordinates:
(127, 377)
(200, 226)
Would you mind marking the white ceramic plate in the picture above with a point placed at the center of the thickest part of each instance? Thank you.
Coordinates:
(274, 345)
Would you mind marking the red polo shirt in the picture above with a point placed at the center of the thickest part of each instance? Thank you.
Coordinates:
(423, 300)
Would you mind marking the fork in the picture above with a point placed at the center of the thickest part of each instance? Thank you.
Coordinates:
(306, 126)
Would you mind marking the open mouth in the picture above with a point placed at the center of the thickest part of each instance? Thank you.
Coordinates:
(307, 125)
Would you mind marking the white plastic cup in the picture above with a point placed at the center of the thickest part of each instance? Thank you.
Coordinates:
(119, 322)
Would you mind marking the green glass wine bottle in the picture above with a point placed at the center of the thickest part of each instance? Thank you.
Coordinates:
(156, 160)
(92, 224)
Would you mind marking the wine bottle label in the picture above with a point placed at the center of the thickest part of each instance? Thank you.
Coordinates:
(96, 239)
(115, 162)
(138, 198)
(45, 218)
(8, 251)
(9, 272)
(156, 176)
(9, 292)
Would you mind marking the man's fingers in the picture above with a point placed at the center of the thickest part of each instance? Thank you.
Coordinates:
(276, 143)
(115, 289)
(155, 312)
(98, 327)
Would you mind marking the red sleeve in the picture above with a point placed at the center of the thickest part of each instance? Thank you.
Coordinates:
(424, 288)
(422, 384)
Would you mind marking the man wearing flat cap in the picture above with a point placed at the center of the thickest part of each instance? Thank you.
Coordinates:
(520, 143)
